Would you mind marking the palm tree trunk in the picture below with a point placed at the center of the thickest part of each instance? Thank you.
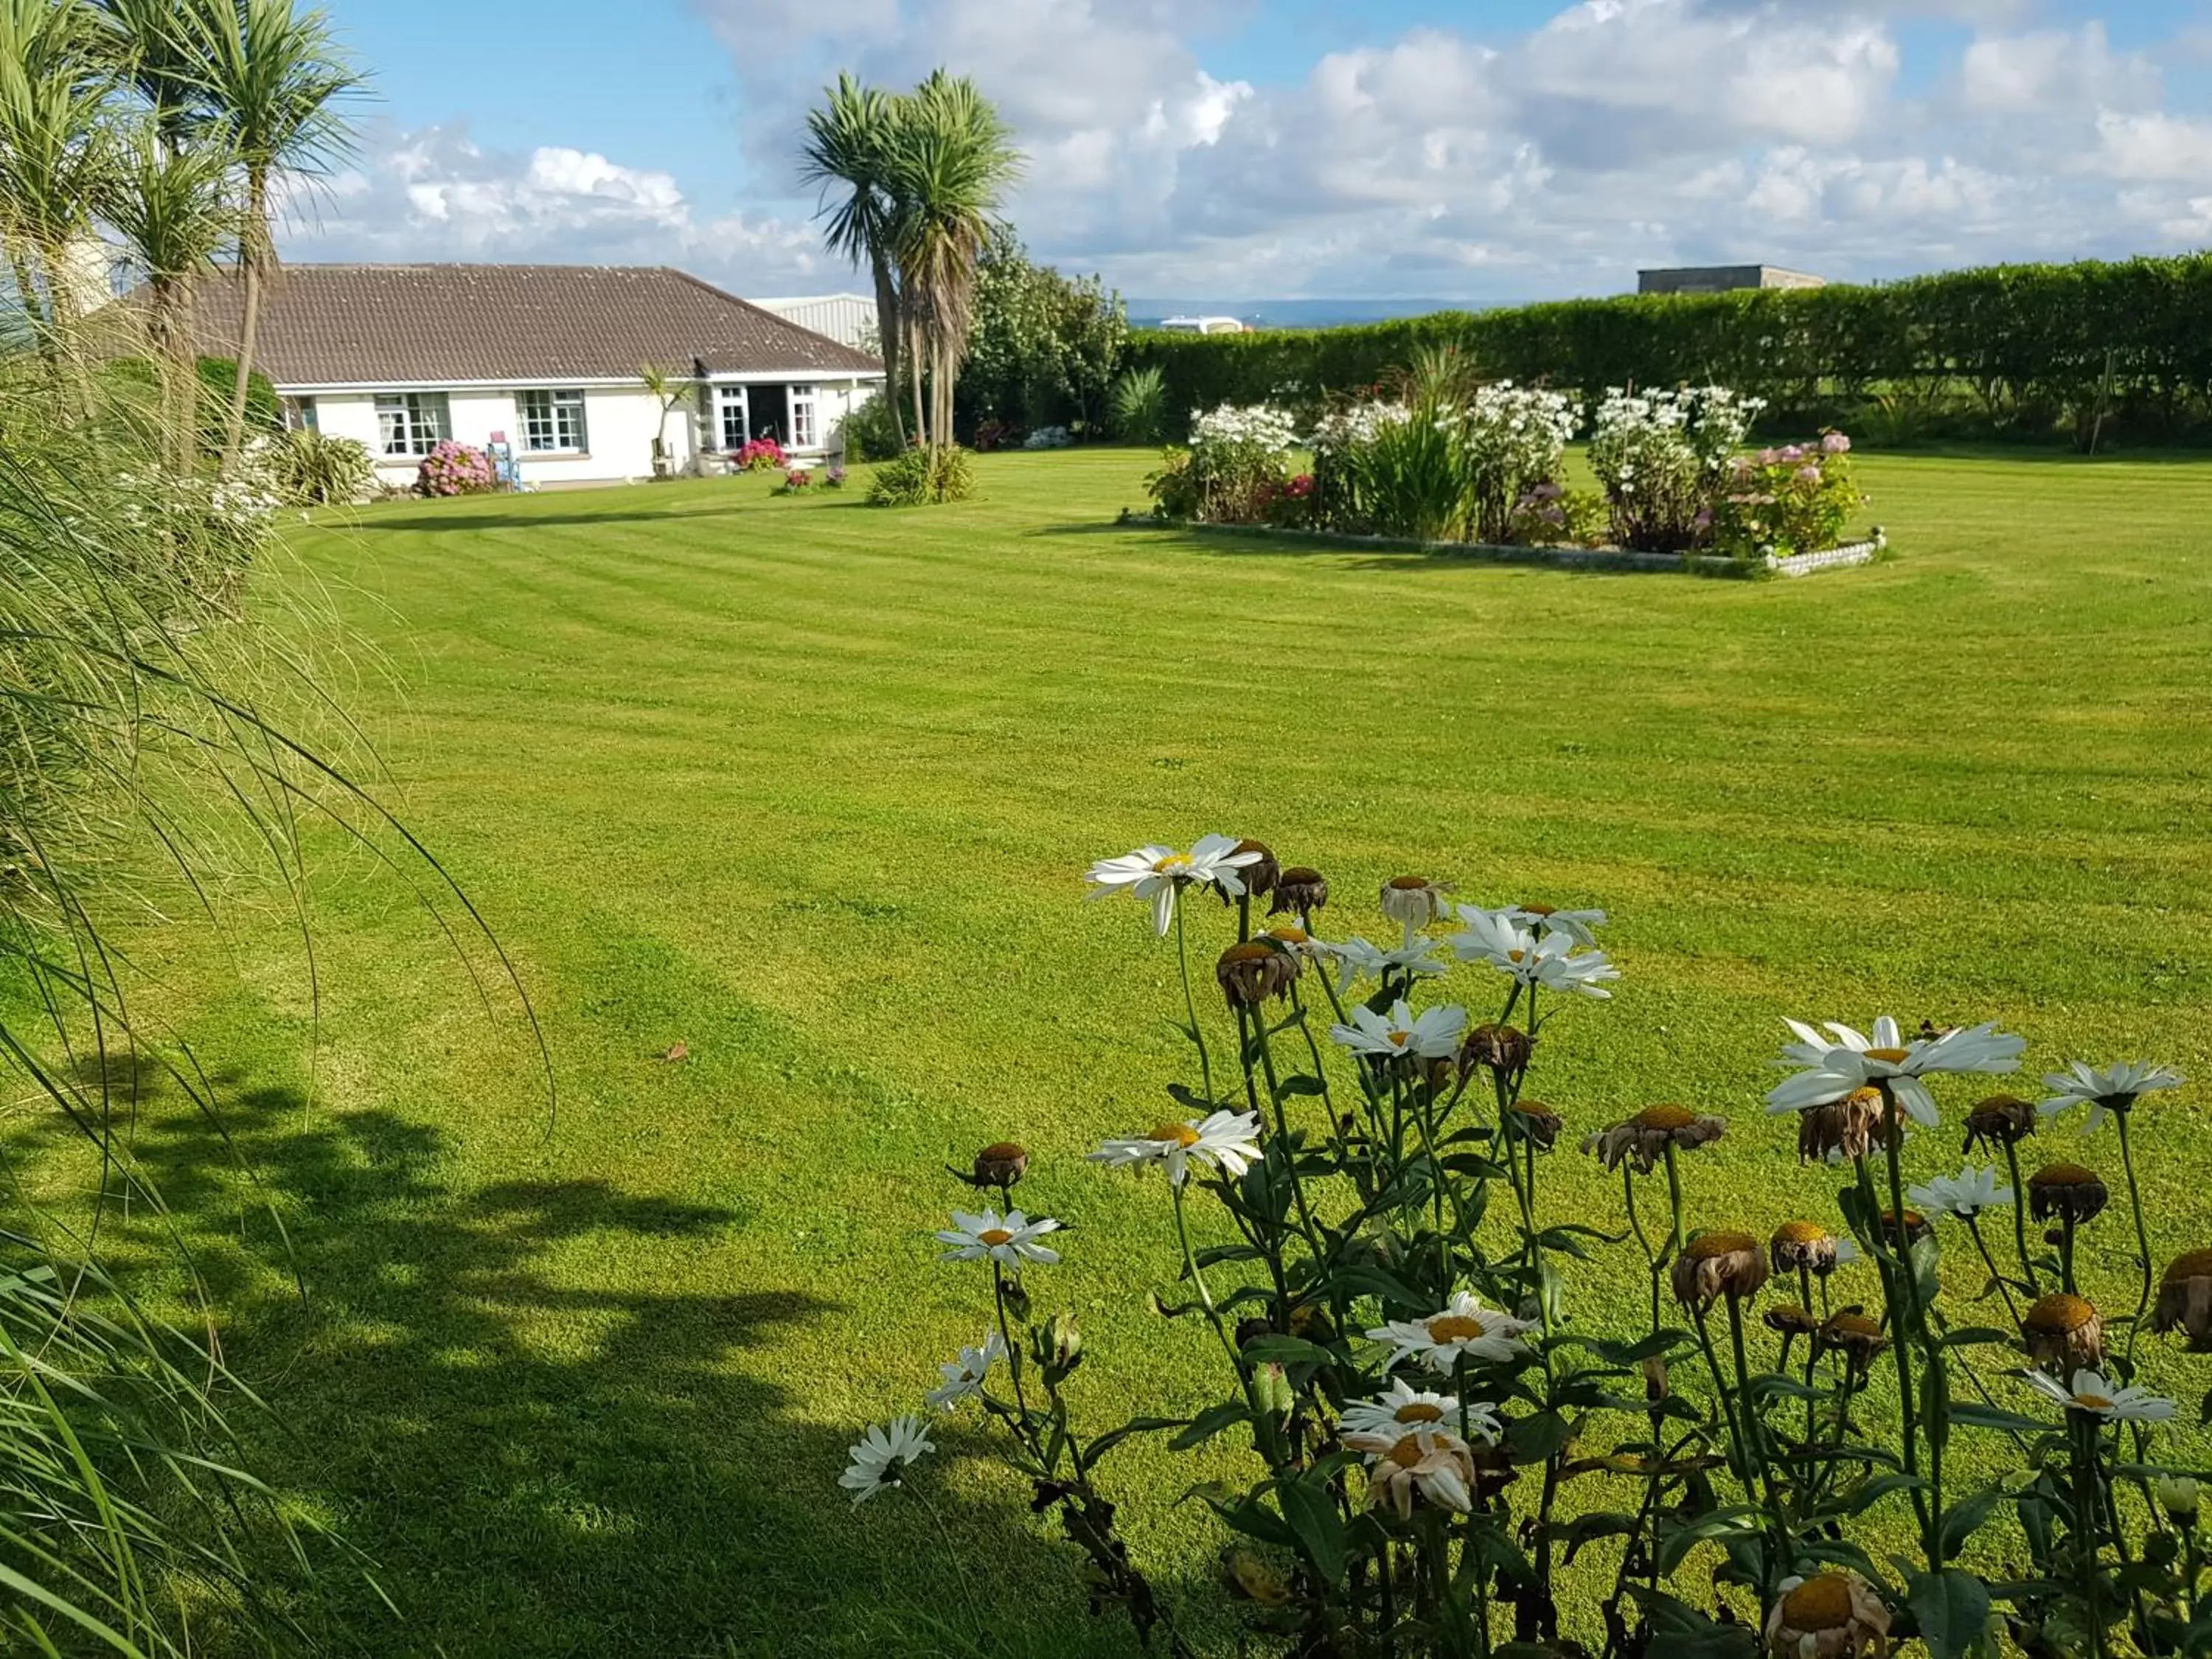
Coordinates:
(913, 362)
(888, 327)
(254, 241)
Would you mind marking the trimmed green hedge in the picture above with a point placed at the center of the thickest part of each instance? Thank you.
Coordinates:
(2117, 349)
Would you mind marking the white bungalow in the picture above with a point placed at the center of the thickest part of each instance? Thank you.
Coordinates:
(547, 360)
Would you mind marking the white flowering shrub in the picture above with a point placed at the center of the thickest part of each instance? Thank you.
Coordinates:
(204, 532)
(1660, 456)
(1516, 439)
(1048, 437)
(1432, 1419)
(1238, 461)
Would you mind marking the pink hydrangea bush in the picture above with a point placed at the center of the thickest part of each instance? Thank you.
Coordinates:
(1796, 499)
(762, 455)
(455, 469)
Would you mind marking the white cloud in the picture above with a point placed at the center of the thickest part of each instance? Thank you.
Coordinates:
(1456, 159)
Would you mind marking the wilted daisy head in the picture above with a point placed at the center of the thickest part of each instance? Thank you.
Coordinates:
(1645, 1138)
(1501, 1050)
(1249, 973)
(1999, 1121)
(1803, 1245)
(1000, 1165)
(1831, 1615)
(1718, 1264)
(2066, 1192)
(1299, 892)
(1533, 1121)
(2064, 1332)
(1414, 902)
(1260, 875)
(2185, 1299)
(1839, 1130)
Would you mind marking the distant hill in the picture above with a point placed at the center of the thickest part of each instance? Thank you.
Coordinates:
(1292, 313)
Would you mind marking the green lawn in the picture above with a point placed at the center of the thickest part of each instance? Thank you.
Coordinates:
(809, 787)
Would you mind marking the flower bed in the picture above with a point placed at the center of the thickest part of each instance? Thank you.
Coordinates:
(1431, 1417)
(1438, 459)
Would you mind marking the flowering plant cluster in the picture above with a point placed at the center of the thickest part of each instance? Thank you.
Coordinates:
(761, 455)
(1791, 499)
(833, 478)
(1432, 1428)
(455, 469)
(210, 529)
(1660, 456)
(795, 479)
(1516, 440)
(1237, 459)
(1048, 437)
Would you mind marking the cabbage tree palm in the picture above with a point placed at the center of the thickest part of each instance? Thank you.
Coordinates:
(950, 161)
(273, 80)
(55, 154)
(172, 207)
(848, 141)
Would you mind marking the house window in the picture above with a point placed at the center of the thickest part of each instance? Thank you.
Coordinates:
(299, 414)
(731, 412)
(803, 430)
(552, 421)
(411, 423)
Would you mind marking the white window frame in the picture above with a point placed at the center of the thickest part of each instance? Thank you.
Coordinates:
(803, 404)
(300, 414)
(410, 424)
(562, 416)
(728, 397)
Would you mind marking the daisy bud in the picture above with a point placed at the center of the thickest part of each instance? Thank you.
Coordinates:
(2185, 1299)
(2064, 1332)
(2001, 1121)
(1059, 1346)
(1250, 973)
(2177, 1496)
(1503, 1050)
(1850, 1332)
(1831, 1615)
(2065, 1191)
(1716, 1265)
(1803, 1244)
(1298, 891)
(1250, 1576)
(1271, 1391)
(1655, 1378)
(1263, 872)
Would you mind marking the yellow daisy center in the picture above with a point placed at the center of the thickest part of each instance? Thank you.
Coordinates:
(1455, 1327)
(2095, 1402)
(1288, 935)
(1176, 1135)
(2192, 1264)
(1172, 863)
(1822, 1603)
(2060, 1314)
(1409, 884)
(1516, 956)
(1535, 910)
(1408, 1453)
(994, 1237)
(1890, 1056)
(1666, 1116)
(1419, 1411)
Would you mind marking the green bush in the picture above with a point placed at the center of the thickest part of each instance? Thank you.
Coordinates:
(306, 469)
(871, 432)
(2020, 352)
(923, 478)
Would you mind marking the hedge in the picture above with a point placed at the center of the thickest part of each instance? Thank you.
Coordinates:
(2093, 350)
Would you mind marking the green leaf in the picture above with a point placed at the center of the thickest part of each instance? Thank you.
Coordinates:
(1300, 1085)
(1935, 1405)
(1286, 1351)
(1963, 1519)
(1972, 1414)
(1310, 1508)
(1975, 1336)
(1952, 1610)
(1533, 1439)
(1210, 1422)
(1113, 1438)
(1716, 1527)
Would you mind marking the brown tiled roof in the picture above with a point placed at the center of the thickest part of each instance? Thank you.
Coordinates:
(381, 324)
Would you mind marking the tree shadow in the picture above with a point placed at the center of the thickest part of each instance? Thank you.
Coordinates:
(1354, 552)
(537, 1455)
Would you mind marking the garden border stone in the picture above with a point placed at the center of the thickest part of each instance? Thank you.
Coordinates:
(1563, 558)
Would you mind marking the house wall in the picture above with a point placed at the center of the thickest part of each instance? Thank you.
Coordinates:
(619, 426)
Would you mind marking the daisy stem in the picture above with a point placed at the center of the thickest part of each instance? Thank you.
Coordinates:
(1190, 1005)
(2066, 1254)
(1198, 1282)
(1739, 1456)
(1289, 1153)
(1755, 1439)
(2019, 1219)
(1811, 1353)
(2004, 1286)
(1901, 1294)
(2142, 1237)
(1636, 1227)
(1006, 1336)
(952, 1554)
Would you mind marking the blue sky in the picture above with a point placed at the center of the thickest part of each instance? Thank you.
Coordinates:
(1506, 150)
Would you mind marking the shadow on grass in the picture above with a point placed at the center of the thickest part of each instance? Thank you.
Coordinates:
(545, 1449)
(1243, 542)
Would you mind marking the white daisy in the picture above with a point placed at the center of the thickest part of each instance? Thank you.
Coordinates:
(1430, 1463)
(2090, 1392)
(1465, 1326)
(1400, 1035)
(1227, 1141)
(1964, 1194)
(1403, 1409)
(2102, 1089)
(1010, 1241)
(1843, 1060)
(1157, 874)
(1504, 940)
(1579, 926)
(1356, 959)
(964, 1376)
(884, 1455)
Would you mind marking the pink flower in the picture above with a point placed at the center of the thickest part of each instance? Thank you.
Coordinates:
(1834, 443)
(1809, 474)
(1793, 452)
(1704, 520)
